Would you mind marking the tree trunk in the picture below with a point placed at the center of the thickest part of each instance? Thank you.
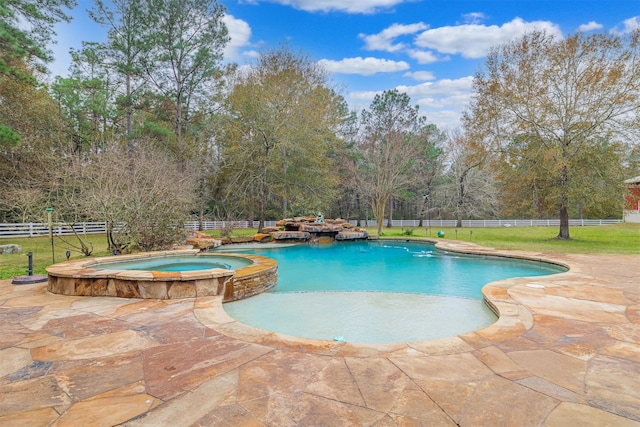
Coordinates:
(250, 210)
(390, 218)
(564, 224)
(285, 203)
(460, 201)
(129, 115)
(263, 195)
(201, 216)
(129, 109)
(109, 231)
(262, 206)
(262, 217)
(459, 213)
(180, 144)
(379, 208)
(564, 203)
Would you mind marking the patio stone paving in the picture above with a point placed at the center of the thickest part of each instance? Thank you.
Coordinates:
(565, 352)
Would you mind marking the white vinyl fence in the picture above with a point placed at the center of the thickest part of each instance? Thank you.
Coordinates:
(482, 223)
(35, 229)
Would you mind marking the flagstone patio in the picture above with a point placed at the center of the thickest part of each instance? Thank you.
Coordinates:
(565, 352)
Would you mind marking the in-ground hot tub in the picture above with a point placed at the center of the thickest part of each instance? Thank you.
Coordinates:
(176, 263)
(165, 275)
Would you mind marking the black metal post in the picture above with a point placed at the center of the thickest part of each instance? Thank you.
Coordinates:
(53, 255)
(30, 267)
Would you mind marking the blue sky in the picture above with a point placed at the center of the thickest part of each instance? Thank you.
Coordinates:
(427, 48)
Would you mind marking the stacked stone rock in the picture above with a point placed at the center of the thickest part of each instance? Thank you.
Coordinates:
(309, 229)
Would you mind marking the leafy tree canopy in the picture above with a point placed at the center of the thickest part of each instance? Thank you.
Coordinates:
(26, 27)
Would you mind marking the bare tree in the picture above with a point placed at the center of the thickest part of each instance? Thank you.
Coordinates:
(469, 188)
(26, 169)
(568, 95)
(23, 203)
(387, 150)
(142, 196)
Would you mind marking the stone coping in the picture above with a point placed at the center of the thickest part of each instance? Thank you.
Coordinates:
(83, 267)
(79, 277)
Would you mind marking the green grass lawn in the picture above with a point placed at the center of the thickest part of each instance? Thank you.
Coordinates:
(12, 265)
(623, 238)
(610, 239)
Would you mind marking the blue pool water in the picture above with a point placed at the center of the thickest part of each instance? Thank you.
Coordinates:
(384, 291)
(177, 263)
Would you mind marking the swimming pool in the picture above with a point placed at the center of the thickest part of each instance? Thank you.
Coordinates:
(383, 291)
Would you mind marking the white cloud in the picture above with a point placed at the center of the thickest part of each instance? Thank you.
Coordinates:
(628, 26)
(442, 101)
(421, 76)
(239, 33)
(473, 17)
(364, 95)
(253, 54)
(425, 56)
(384, 39)
(446, 120)
(363, 66)
(440, 88)
(590, 26)
(473, 41)
(348, 6)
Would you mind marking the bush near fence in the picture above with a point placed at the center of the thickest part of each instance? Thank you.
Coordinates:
(36, 229)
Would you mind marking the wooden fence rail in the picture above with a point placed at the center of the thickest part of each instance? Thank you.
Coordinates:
(35, 229)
